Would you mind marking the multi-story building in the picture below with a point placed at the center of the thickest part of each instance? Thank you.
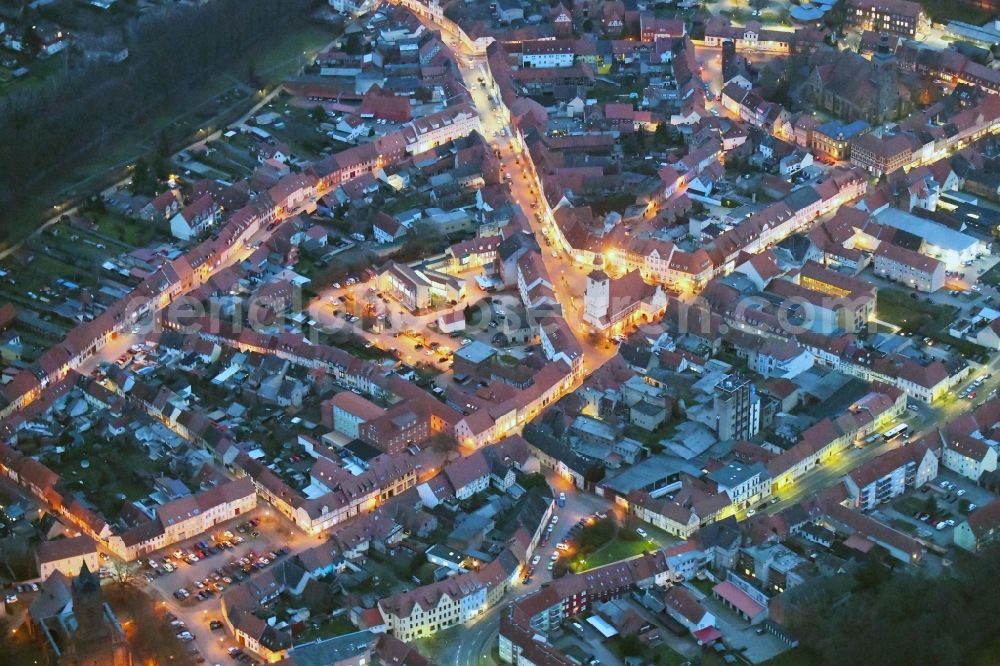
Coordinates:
(746, 485)
(752, 37)
(347, 411)
(452, 123)
(428, 609)
(891, 474)
(548, 53)
(780, 358)
(834, 138)
(881, 155)
(407, 423)
(898, 17)
(67, 555)
(404, 284)
(185, 518)
(967, 455)
(736, 407)
(525, 626)
(915, 270)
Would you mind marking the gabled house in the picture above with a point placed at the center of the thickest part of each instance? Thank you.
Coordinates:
(196, 218)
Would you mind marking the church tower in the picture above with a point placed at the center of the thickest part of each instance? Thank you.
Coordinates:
(885, 78)
(98, 639)
(597, 299)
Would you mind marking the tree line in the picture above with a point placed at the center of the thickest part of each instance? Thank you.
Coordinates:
(72, 116)
(883, 617)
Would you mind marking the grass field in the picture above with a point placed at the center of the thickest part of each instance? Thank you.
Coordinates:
(614, 550)
(897, 307)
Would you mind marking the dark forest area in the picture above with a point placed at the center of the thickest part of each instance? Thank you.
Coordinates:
(77, 114)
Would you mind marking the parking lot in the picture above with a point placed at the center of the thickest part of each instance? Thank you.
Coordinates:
(253, 544)
(932, 511)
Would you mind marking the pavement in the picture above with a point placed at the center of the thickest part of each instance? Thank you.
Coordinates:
(274, 531)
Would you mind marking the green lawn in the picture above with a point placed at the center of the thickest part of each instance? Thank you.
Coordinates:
(337, 626)
(991, 276)
(39, 71)
(615, 550)
(897, 307)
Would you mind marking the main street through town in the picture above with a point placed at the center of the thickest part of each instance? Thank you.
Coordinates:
(568, 278)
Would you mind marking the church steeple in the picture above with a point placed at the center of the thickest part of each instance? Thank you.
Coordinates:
(885, 78)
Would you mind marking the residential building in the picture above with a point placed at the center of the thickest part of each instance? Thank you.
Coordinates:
(881, 155)
(548, 53)
(915, 270)
(185, 518)
(736, 407)
(746, 485)
(67, 555)
(682, 606)
(980, 529)
(347, 411)
(891, 474)
(196, 218)
(967, 455)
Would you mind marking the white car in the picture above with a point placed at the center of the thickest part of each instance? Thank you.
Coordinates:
(555, 519)
(535, 560)
(960, 492)
(751, 513)
(641, 532)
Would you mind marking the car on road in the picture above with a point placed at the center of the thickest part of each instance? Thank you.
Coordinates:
(536, 559)
(641, 532)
